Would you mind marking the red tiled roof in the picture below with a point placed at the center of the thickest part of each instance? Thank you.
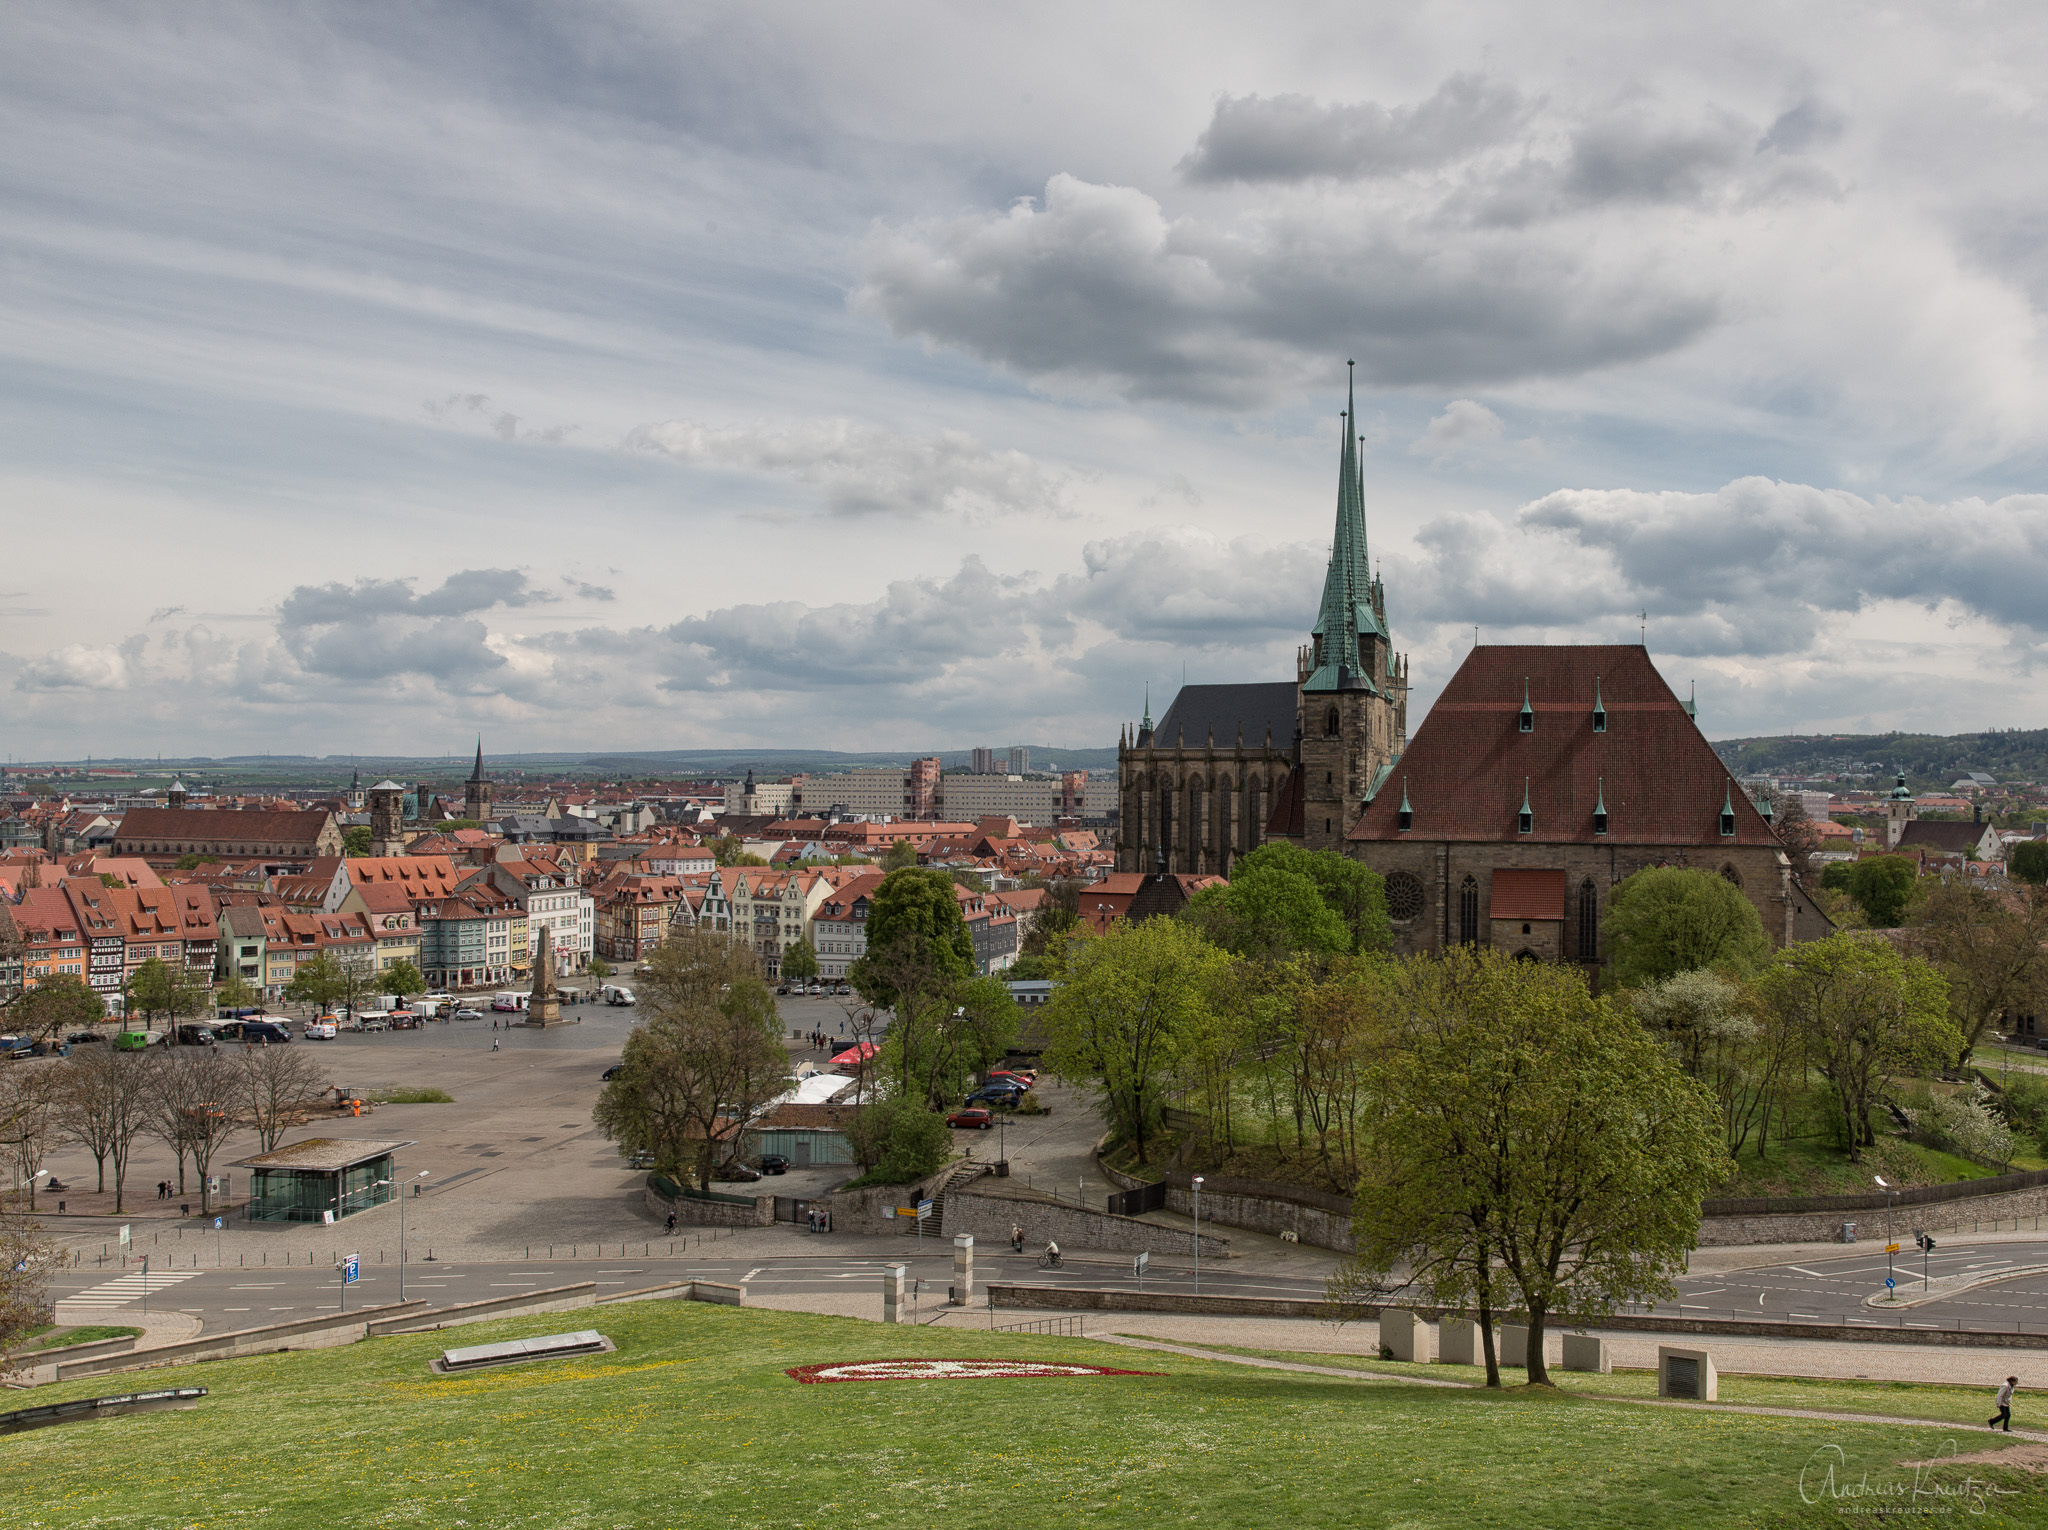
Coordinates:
(1466, 768)
(1526, 893)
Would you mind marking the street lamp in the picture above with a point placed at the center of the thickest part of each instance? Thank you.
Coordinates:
(414, 1182)
(1198, 1235)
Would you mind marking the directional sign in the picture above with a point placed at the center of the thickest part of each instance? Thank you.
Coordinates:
(924, 1209)
(349, 1272)
(217, 1223)
(1889, 1283)
(1891, 1248)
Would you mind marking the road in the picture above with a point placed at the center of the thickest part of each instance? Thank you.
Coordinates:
(249, 1298)
(1833, 1289)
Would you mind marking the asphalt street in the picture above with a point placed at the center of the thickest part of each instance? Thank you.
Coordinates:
(249, 1298)
(1833, 1289)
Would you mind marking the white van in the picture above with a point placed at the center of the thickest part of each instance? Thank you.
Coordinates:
(514, 1002)
(613, 994)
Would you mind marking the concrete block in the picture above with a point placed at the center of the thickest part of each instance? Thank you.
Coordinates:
(894, 1308)
(1514, 1344)
(961, 1292)
(1586, 1352)
(1408, 1336)
(1459, 1343)
(1687, 1373)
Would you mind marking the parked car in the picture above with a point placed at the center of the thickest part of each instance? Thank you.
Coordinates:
(842, 989)
(613, 1071)
(195, 1035)
(265, 1031)
(782, 988)
(971, 1120)
(83, 1038)
(138, 1041)
(1021, 1080)
(321, 1030)
(242, 1012)
(995, 1094)
(772, 1163)
(469, 1014)
(736, 1171)
(16, 1046)
(641, 1161)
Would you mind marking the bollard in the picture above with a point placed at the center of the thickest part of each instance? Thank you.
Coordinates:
(963, 1271)
(892, 1295)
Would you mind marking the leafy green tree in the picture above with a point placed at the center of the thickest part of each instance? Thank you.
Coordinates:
(900, 856)
(1665, 920)
(725, 849)
(599, 968)
(897, 1140)
(800, 961)
(1881, 885)
(1130, 1006)
(355, 840)
(1058, 914)
(1354, 892)
(1718, 1031)
(1268, 912)
(1029, 968)
(1866, 1012)
(1992, 949)
(401, 978)
(917, 904)
(706, 1056)
(234, 992)
(193, 860)
(1533, 1146)
(988, 1019)
(57, 1004)
(163, 990)
(322, 982)
(2028, 862)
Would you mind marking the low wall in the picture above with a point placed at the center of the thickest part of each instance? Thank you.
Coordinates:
(307, 1333)
(872, 1209)
(553, 1299)
(1313, 1216)
(1955, 1215)
(989, 1215)
(1081, 1298)
(715, 1291)
(61, 1353)
(691, 1212)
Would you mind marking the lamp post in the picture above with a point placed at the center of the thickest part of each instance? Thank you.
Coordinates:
(1198, 1235)
(415, 1183)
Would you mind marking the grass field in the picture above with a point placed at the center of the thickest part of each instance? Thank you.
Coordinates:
(694, 1423)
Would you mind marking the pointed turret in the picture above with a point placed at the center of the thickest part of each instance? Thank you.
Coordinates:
(1349, 613)
(478, 773)
(1145, 727)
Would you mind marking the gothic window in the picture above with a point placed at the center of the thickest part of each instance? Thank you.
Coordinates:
(1194, 824)
(1589, 921)
(1731, 874)
(1333, 722)
(1404, 896)
(1468, 912)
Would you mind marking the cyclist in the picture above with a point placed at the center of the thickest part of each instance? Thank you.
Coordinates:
(1052, 1253)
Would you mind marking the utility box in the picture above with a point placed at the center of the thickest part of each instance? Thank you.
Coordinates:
(1687, 1374)
(1406, 1336)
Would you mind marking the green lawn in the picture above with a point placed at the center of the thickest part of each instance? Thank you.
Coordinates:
(693, 1423)
(1892, 1399)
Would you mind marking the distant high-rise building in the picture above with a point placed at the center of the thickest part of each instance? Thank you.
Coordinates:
(1020, 759)
(983, 762)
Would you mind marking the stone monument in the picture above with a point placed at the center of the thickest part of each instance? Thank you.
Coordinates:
(545, 1006)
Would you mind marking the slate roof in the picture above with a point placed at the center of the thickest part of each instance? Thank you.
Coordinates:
(1943, 835)
(1198, 708)
(1465, 770)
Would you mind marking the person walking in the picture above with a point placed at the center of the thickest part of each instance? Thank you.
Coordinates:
(2004, 1414)
(494, 1043)
(671, 1222)
(1016, 1238)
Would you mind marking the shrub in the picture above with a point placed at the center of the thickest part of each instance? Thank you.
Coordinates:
(412, 1097)
(897, 1141)
(1965, 1124)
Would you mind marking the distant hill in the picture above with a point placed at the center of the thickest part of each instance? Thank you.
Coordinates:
(1929, 759)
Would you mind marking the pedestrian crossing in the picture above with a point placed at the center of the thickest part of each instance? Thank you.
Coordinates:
(128, 1288)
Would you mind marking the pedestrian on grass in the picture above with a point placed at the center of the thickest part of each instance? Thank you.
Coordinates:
(2004, 1414)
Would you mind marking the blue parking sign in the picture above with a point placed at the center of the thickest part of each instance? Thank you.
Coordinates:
(348, 1270)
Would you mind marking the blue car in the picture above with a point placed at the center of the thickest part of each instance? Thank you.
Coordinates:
(995, 1094)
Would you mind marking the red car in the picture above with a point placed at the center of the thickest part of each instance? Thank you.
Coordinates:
(1022, 1080)
(971, 1118)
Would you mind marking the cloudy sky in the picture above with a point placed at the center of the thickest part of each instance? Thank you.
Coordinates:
(660, 376)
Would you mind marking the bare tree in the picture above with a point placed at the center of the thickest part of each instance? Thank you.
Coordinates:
(278, 1087)
(31, 1097)
(198, 1092)
(25, 1253)
(105, 1106)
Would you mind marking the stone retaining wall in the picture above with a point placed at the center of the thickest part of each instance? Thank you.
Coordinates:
(989, 1214)
(553, 1299)
(692, 1212)
(307, 1333)
(1313, 1216)
(1960, 1217)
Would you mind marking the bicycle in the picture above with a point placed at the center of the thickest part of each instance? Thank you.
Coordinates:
(1048, 1261)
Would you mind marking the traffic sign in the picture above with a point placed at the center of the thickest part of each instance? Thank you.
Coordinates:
(1891, 1248)
(217, 1223)
(124, 1235)
(1889, 1283)
(349, 1271)
(924, 1209)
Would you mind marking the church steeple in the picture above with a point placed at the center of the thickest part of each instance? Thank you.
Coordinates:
(478, 773)
(1348, 615)
(476, 791)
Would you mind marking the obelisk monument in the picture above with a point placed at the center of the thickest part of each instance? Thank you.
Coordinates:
(545, 1005)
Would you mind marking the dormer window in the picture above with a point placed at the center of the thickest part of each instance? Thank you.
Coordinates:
(1599, 708)
(1527, 718)
(1728, 813)
(1406, 817)
(1525, 820)
(1600, 809)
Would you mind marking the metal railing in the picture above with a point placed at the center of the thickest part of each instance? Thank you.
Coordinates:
(1069, 1327)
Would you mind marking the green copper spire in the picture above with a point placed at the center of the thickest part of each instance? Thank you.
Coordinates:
(1347, 615)
(1147, 723)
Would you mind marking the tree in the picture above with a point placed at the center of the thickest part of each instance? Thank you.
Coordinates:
(192, 861)
(1665, 920)
(1354, 892)
(599, 968)
(401, 978)
(57, 1004)
(900, 856)
(26, 1253)
(800, 961)
(706, 1057)
(918, 955)
(278, 1086)
(987, 1018)
(1990, 948)
(31, 1115)
(164, 989)
(897, 1140)
(234, 992)
(1880, 885)
(725, 850)
(1796, 832)
(1719, 1032)
(355, 840)
(106, 1106)
(1270, 913)
(1029, 968)
(197, 1092)
(919, 903)
(1057, 916)
(1530, 1136)
(321, 982)
(2028, 862)
(1865, 1011)
(1130, 1006)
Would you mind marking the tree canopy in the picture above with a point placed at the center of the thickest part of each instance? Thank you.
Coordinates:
(2028, 862)
(1880, 885)
(1283, 899)
(913, 912)
(800, 960)
(1665, 920)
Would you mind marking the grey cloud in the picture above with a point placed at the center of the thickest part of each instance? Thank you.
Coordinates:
(1803, 127)
(476, 589)
(381, 628)
(1464, 426)
(1291, 137)
(1194, 591)
(867, 471)
(584, 591)
(165, 613)
(1098, 286)
(1633, 159)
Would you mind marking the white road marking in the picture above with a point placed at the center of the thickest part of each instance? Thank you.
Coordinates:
(1816, 1274)
(750, 1274)
(128, 1288)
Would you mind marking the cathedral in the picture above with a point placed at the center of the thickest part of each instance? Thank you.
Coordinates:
(1229, 767)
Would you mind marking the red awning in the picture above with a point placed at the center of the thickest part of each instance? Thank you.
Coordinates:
(854, 1056)
(1525, 894)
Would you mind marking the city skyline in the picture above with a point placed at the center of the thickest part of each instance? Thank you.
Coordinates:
(605, 377)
